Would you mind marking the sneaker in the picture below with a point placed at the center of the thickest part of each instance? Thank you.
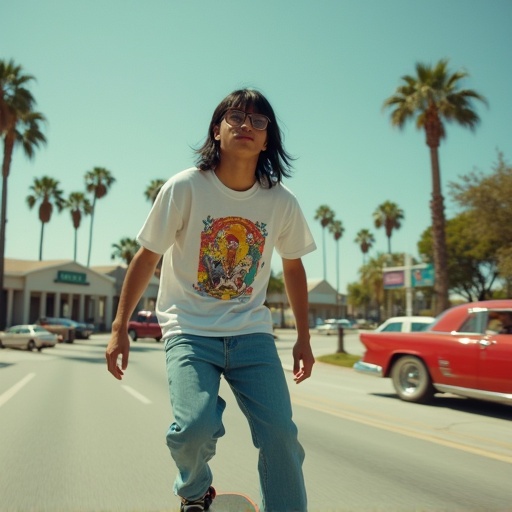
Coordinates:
(200, 504)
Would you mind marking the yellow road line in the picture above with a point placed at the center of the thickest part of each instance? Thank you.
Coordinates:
(403, 431)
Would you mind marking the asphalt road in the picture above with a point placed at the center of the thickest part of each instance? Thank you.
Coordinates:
(73, 439)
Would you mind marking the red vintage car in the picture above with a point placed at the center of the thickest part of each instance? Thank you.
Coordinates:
(144, 326)
(467, 351)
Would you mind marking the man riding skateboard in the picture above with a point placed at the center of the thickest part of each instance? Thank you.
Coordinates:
(216, 227)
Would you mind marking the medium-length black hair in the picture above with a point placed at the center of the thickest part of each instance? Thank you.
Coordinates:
(273, 163)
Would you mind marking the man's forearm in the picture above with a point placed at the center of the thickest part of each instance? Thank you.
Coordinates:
(137, 278)
(297, 292)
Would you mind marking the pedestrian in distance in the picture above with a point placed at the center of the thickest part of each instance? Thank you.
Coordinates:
(216, 226)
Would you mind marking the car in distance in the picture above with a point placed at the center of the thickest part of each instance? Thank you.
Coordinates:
(67, 326)
(28, 336)
(64, 329)
(64, 332)
(467, 351)
(405, 324)
(82, 330)
(144, 326)
(332, 326)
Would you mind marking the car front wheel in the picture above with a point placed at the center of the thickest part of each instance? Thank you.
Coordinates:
(31, 345)
(411, 380)
(133, 334)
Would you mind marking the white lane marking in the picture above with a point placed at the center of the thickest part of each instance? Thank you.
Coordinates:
(7, 395)
(136, 394)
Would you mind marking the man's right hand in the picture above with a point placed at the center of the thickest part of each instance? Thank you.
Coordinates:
(118, 346)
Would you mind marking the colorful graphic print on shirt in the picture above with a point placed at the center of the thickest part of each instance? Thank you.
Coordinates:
(229, 257)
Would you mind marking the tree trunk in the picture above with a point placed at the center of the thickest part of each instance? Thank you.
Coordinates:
(74, 251)
(433, 133)
(90, 231)
(324, 255)
(6, 164)
(41, 242)
(338, 305)
(341, 341)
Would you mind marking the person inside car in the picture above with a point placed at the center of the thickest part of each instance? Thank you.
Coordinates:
(506, 322)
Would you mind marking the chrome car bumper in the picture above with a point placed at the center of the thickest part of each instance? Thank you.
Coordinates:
(368, 369)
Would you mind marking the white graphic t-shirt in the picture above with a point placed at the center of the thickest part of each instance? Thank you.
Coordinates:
(217, 245)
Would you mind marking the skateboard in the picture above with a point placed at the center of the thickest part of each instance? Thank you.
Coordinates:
(233, 502)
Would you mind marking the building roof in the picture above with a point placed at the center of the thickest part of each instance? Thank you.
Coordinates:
(16, 267)
(24, 267)
(320, 285)
(106, 269)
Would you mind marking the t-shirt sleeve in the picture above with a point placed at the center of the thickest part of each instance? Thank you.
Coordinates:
(159, 230)
(295, 239)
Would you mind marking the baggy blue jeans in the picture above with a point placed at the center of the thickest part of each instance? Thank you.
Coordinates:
(251, 365)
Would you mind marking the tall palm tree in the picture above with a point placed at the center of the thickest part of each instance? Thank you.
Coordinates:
(336, 229)
(434, 95)
(365, 240)
(98, 182)
(325, 215)
(45, 191)
(152, 189)
(19, 125)
(389, 215)
(78, 205)
(125, 249)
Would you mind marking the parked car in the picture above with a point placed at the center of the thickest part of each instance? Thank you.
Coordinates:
(332, 325)
(81, 330)
(405, 324)
(63, 327)
(28, 337)
(144, 326)
(467, 351)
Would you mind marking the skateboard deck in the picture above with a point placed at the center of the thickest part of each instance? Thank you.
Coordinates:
(233, 502)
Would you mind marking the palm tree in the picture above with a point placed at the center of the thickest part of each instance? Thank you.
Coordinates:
(373, 279)
(98, 181)
(336, 229)
(389, 215)
(79, 205)
(430, 96)
(326, 216)
(152, 189)
(19, 125)
(365, 240)
(125, 250)
(45, 191)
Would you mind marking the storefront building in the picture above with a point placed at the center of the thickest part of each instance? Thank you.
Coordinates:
(58, 288)
(67, 289)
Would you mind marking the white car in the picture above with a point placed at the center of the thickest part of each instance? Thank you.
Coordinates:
(332, 326)
(405, 324)
(27, 336)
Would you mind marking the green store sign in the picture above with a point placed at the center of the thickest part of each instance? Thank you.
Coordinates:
(65, 276)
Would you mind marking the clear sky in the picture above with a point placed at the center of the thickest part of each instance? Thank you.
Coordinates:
(130, 85)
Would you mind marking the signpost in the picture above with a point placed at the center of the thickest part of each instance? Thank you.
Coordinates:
(409, 276)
